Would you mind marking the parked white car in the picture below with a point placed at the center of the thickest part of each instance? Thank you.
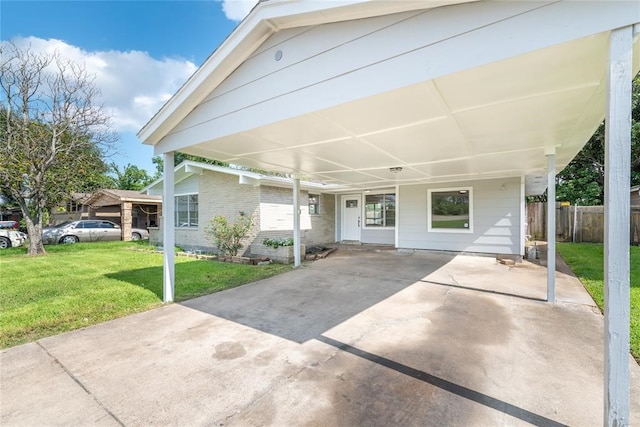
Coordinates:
(88, 230)
(10, 238)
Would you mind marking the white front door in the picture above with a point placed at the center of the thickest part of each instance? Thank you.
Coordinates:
(351, 216)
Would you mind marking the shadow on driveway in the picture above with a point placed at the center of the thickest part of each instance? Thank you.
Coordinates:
(303, 304)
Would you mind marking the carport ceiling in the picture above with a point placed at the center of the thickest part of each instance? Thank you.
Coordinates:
(492, 120)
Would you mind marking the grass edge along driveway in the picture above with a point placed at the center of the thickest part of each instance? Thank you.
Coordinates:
(586, 260)
(74, 286)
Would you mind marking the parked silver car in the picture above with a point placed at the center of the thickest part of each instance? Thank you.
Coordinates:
(88, 230)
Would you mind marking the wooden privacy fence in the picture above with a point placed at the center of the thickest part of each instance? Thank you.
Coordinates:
(576, 223)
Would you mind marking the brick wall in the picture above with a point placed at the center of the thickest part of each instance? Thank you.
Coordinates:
(219, 194)
(276, 210)
(271, 209)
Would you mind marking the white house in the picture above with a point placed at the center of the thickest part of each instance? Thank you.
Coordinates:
(203, 191)
(474, 103)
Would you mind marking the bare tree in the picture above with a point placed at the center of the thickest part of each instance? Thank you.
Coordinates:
(52, 133)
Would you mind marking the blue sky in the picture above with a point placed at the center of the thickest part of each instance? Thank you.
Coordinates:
(140, 51)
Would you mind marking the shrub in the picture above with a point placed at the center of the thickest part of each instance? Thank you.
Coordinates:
(276, 243)
(227, 236)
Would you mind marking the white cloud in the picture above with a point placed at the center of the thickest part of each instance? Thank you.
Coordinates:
(236, 10)
(134, 85)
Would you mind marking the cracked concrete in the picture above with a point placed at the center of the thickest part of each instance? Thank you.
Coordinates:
(393, 338)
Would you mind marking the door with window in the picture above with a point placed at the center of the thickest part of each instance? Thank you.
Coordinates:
(351, 217)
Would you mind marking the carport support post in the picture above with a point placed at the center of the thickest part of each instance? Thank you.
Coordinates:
(617, 154)
(168, 237)
(296, 220)
(126, 220)
(551, 226)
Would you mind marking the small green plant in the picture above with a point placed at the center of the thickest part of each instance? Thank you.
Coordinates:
(276, 243)
(228, 236)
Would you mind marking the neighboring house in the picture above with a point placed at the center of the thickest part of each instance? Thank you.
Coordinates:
(203, 191)
(128, 208)
(635, 196)
(10, 214)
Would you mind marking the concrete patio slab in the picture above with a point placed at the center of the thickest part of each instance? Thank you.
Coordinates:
(359, 338)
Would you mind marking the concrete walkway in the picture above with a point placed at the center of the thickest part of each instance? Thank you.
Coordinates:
(357, 339)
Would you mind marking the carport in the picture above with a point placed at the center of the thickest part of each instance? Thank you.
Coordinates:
(388, 94)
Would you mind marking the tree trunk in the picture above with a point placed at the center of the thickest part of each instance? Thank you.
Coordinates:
(35, 236)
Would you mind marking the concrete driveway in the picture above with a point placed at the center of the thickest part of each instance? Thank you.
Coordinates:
(357, 339)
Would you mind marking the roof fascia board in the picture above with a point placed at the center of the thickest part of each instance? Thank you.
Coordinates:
(229, 55)
(302, 14)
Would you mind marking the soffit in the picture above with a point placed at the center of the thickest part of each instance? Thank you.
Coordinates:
(495, 120)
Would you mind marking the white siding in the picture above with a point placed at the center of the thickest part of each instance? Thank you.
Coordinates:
(496, 219)
(188, 185)
(320, 63)
(386, 236)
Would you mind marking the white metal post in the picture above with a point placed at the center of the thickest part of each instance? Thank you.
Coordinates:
(551, 228)
(168, 236)
(523, 210)
(616, 228)
(397, 223)
(296, 221)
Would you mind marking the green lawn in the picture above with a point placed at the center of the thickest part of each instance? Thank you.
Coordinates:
(74, 286)
(587, 262)
(451, 223)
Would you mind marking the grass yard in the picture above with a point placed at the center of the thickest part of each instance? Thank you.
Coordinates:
(74, 286)
(587, 262)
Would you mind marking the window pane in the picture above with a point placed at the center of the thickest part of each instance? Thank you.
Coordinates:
(390, 210)
(373, 210)
(193, 210)
(314, 204)
(450, 209)
(182, 211)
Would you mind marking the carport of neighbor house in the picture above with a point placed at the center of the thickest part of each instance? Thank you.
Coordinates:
(359, 338)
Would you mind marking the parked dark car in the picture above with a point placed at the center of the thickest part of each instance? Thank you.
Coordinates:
(88, 230)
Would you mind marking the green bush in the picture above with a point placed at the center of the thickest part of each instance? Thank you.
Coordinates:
(276, 243)
(227, 236)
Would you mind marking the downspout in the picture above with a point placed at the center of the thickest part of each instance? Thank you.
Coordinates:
(551, 225)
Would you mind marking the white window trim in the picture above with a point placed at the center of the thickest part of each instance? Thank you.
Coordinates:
(450, 230)
(175, 226)
(364, 210)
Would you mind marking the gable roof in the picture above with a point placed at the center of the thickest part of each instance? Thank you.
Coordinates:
(106, 197)
(264, 20)
(344, 92)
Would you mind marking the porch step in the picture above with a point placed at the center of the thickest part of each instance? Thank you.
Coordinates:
(364, 247)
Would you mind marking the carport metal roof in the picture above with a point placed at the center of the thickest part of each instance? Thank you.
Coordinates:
(448, 90)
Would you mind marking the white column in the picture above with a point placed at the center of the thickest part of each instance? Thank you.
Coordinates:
(616, 228)
(523, 216)
(296, 221)
(551, 227)
(168, 235)
(397, 224)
